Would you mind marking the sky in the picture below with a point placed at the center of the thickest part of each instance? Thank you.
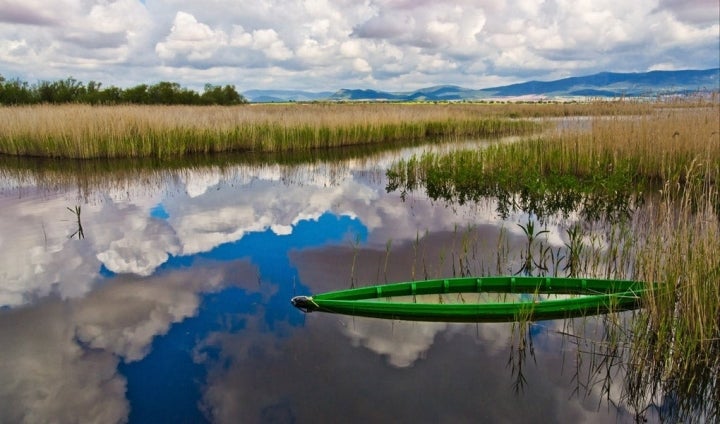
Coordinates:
(322, 45)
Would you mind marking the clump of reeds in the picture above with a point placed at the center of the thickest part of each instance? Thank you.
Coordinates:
(676, 341)
(674, 242)
(599, 171)
(80, 131)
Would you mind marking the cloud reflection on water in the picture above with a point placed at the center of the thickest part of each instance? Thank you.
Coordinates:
(256, 229)
(59, 357)
(123, 235)
(314, 375)
(48, 377)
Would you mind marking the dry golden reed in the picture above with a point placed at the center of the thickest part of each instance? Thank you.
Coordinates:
(81, 131)
(642, 149)
(675, 349)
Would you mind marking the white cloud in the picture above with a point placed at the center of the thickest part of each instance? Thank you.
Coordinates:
(297, 45)
(197, 183)
(351, 48)
(38, 258)
(136, 255)
(265, 204)
(37, 12)
(268, 41)
(442, 33)
(191, 39)
(696, 12)
(239, 37)
(361, 65)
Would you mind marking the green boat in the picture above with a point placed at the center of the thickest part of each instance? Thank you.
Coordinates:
(537, 299)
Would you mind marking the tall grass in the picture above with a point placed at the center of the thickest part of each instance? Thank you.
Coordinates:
(80, 131)
(676, 341)
(673, 238)
(133, 131)
(599, 171)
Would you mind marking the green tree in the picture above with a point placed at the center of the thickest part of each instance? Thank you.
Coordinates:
(216, 95)
(164, 93)
(137, 94)
(170, 93)
(69, 90)
(111, 95)
(92, 93)
(15, 92)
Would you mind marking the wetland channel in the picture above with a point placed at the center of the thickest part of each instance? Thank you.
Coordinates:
(151, 295)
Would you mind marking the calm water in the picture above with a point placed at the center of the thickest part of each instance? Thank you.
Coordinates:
(172, 304)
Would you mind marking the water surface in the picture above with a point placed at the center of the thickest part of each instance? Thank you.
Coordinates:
(166, 299)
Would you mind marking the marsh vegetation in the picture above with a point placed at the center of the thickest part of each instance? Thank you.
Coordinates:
(83, 132)
(635, 187)
(647, 187)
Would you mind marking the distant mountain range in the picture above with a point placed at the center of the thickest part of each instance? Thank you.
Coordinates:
(268, 96)
(604, 84)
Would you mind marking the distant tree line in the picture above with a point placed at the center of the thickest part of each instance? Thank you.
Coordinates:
(70, 90)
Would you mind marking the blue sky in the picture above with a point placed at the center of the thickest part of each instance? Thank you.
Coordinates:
(322, 44)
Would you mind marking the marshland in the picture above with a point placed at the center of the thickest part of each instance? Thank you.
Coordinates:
(86, 132)
(199, 223)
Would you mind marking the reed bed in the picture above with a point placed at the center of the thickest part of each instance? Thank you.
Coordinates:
(83, 132)
(618, 156)
(675, 349)
(672, 346)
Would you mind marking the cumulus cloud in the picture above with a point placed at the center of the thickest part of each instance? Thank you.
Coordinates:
(197, 183)
(361, 65)
(23, 13)
(137, 243)
(70, 38)
(697, 12)
(39, 258)
(191, 39)
(268, 41)
(324, 45)
(123, 318)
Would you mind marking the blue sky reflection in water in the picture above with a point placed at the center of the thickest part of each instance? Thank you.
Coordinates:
(175, 306)
(165, 385)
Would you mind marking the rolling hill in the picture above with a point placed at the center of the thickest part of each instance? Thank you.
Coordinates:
(604, 84)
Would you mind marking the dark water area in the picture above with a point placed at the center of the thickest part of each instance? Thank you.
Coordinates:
(172, 303)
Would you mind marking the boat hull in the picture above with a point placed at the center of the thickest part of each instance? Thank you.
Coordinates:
(599, 296)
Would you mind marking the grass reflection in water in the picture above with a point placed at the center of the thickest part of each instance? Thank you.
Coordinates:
(651, 184)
